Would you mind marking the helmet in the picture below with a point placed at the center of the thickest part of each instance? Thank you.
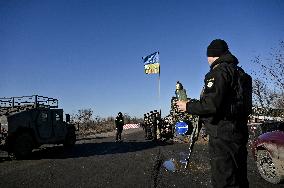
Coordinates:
(179, 86)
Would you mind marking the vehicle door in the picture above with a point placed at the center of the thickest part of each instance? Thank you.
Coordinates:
(58, 124)
(44, 124)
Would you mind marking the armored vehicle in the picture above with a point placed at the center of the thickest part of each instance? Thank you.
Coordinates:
(30, 121)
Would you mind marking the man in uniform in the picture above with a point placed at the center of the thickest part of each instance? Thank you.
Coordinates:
(145, 125)
(151, 125)
(149, 131)
(228, 135)
(154, 121)
(119, 122)
(159, 124)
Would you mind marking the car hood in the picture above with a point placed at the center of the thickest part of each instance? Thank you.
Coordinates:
(276, 137)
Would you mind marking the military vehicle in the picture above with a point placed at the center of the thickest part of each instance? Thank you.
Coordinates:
(28, 122)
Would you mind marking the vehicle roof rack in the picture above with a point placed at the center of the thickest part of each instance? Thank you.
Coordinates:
(16, 104)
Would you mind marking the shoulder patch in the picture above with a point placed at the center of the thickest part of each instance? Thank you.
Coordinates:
(210, 82)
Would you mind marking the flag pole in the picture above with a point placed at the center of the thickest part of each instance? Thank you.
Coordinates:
(159, 92)
(159, 85)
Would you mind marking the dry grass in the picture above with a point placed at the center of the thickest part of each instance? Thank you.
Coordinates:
(91, 128)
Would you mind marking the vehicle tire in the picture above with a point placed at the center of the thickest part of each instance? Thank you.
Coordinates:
(266, 167)
(70, 139)
(23, 146)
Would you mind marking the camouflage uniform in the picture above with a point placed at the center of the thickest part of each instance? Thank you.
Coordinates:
(148, 127)
(154, 120)
(145, 125)
(159, 124)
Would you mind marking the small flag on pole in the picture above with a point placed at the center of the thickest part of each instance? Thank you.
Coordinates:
(152, 63)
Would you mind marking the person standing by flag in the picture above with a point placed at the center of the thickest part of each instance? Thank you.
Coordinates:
(154, 119)
(145, 125)
(149, 126)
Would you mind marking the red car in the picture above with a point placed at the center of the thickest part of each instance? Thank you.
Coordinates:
(268, 152)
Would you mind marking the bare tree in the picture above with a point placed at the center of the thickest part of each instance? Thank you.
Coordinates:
(85, 115)
(268, 87)
(264, 97)
(92, 125)
(280, 101)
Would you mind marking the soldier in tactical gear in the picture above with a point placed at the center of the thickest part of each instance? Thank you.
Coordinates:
(159, 124)
(156, 124)
(119, 122)
(145, 125)
(149, 125)
(154, 121)
(228, 134)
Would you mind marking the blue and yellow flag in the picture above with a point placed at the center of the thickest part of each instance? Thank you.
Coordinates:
(152, 63)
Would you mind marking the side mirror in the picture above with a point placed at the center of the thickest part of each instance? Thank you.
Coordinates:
(67, 117)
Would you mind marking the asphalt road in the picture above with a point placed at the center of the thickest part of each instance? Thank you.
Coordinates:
(97, 161)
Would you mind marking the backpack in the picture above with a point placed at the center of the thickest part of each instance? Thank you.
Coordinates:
(242, 100)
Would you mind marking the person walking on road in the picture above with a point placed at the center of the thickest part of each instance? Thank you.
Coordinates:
(119, 122)
(219, 110)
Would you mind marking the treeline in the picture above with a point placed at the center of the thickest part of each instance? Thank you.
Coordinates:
(256, 111)
(88, 123)
(268, 85)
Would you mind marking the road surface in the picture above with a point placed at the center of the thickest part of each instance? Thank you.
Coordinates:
(97, 161)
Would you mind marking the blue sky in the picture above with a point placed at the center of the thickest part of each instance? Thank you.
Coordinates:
(88, 54)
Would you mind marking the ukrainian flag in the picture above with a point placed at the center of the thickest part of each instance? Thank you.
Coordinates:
(152, 63)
